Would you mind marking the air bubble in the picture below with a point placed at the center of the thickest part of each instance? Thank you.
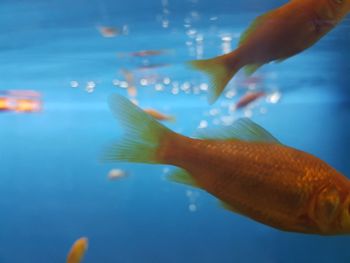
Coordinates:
(274, 97)
(74, 84)
(203, 124)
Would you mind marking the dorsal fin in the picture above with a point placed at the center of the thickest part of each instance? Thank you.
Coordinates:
(243, 129)
(252, 27)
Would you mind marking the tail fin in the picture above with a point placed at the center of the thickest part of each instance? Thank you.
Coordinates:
(219, 71)
(143, 134)
(77, 250)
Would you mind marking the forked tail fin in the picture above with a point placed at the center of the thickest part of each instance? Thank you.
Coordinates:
(143, 134)
(219, 71)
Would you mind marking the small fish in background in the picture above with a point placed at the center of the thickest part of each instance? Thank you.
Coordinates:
(25, 101)
(152, 66)
(253, 80)
(108, 32)
(130, 80)
(27, 105)
(143, 53)
(5, 104)
(148, 53)
(116, 174)
(248, 98)
(250, 171)
(274, 36)
(158, 115)
(77, 251)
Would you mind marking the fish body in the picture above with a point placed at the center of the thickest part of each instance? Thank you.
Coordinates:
(246, 168)
(268, 182)
(275, 36)
(77, 251)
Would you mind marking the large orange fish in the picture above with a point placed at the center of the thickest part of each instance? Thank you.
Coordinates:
(246, 168)
(77, 250)
(275, 36)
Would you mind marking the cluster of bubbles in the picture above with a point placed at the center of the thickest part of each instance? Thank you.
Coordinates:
(226, 111)
(224, 114)
(195, 39)
(89, 86)
(166, 84)
(164, 16)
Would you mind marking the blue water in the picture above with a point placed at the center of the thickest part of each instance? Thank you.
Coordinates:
(53, 189)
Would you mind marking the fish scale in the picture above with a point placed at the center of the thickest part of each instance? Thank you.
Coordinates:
(267, 182)
(246, 168)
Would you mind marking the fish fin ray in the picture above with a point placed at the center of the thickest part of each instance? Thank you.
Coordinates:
(219, 73)
(183, 177)
(242, 129)
(143, 134)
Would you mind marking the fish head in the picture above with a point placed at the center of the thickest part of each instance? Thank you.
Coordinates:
(332, 210)
(327, 209)
(333, 10)
(344, 217)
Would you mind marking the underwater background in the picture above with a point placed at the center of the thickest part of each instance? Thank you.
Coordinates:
(53, 186)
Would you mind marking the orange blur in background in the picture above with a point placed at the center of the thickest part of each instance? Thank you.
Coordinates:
(20, 101)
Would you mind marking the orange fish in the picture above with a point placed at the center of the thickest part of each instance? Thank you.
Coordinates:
(5, 104)
(27, 105)
(77, 251)
(246, 168)
(275, 36)
(147, 53)
(248, 98)
(108, 31)
(159, 116)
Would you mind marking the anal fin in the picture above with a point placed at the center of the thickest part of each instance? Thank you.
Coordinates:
(183, 177)
(251, 68)
(226, 206)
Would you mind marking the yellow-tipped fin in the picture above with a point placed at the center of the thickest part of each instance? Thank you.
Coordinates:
(220, 73)
(143, 134)
(242, 129)
(77, 250)
(228, 207)
(183, 177)
(251, 68)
